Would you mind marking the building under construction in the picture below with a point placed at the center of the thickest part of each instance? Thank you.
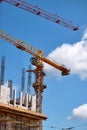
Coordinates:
(25, 112)
(17, 113)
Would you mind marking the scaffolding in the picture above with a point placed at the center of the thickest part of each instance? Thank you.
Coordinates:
(13, 118)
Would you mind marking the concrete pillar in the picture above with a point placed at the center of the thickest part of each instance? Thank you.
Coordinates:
(29, 101)
(10, 86)
(14, 98)
(29, 97)
(23, 100)
(33, 102)
(20, 99)
(26, 100)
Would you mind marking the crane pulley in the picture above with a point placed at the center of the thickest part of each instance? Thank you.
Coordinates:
(37, 60)
(40, 12)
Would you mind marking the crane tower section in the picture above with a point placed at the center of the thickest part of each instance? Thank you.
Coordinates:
(43, 13)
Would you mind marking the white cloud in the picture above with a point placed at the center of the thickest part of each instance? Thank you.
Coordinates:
(74, 56)
(79, 113)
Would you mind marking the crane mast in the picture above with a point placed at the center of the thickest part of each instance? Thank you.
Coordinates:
(40, 12)
(37, 60)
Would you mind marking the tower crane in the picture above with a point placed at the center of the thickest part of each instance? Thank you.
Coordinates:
(40, 12)
(37, 60)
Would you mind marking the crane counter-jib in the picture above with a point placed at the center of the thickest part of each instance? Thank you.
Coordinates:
(33, 51)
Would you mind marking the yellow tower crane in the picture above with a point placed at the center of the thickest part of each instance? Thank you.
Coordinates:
(37, 60)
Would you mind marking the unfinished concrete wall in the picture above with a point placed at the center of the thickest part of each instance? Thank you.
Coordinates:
(4, 94)
(26, 101)
(18, 113)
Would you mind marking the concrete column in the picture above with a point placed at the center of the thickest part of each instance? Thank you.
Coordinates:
(33, 101)
(23, 100)
(14, 98)
(29, 97)
(29, 101)
(10, 86)
(26, 100)
(21, 97)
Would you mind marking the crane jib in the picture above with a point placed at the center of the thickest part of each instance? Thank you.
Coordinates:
(33, 51)
(43, 13)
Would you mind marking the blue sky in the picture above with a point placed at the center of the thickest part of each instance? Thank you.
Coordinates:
(65, 99)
